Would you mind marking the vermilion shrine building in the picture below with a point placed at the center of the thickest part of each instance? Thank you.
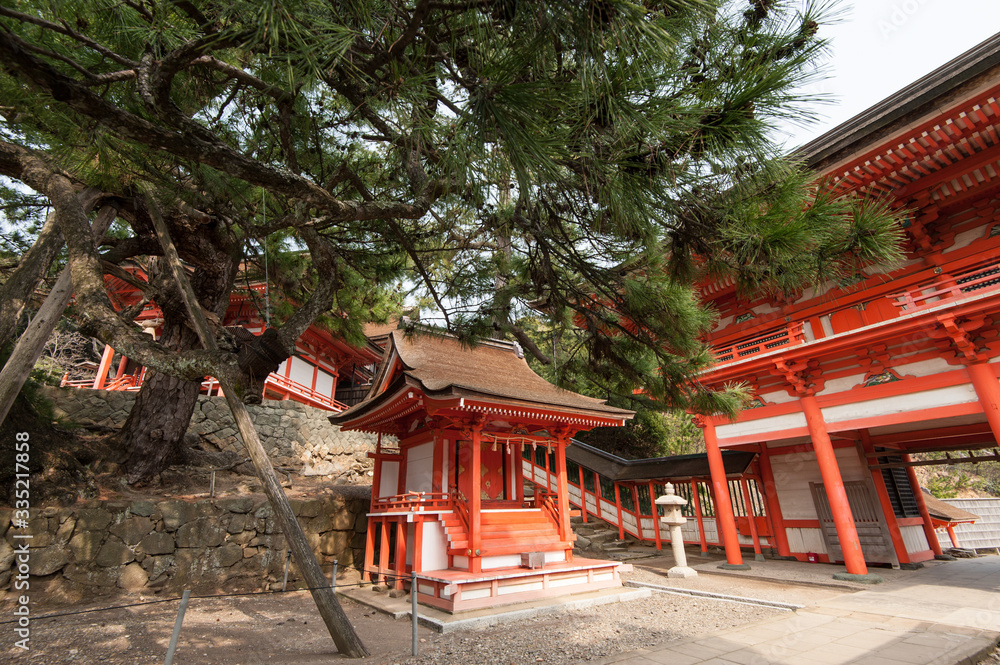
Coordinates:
(852, 378)
(448, 496)
(325, 372)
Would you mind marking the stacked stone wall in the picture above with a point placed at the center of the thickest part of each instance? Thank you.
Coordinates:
(294, 435)
(105, 547)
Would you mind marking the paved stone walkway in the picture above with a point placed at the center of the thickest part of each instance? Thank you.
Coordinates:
(945, 614)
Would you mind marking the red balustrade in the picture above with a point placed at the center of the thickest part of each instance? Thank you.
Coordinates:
(789, 335)
(947, 288)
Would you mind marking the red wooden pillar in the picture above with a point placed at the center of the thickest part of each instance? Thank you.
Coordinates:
(597, 494)
(724, 518)
(618, 508)
(121, 368)
(951, 534)
(778, 532)
(984, 380)
(102, 370)
(383, 552)
(437, 462)
(843, 519)
(656, 517)
(883, 498)
(476, 500)
(369, 550)
(583, 495)
(562, 489)
(696, 497)
(638, 511)
(754, 537)
(519, 475)
(400, 554)
(925, 516)
(418, 547)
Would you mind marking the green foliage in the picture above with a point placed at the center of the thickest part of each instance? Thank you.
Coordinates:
(589, 161)
(651, 433)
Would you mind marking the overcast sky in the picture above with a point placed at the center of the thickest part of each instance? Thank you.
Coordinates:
(880, 46)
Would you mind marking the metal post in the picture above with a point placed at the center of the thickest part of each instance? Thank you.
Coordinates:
(211, 486)
(177, 627)
(333, 575)
(413, 609)
(288, 558)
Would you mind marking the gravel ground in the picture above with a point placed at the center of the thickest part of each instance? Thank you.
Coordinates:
(591, 634)
(992, 659)
(285, 628)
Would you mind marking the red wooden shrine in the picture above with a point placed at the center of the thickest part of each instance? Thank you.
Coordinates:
(322, 369)
(850, 379)
(448, 495)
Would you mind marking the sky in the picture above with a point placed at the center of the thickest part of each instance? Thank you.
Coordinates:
(881, 46)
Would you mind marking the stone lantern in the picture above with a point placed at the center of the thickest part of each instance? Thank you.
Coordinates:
(673, 519)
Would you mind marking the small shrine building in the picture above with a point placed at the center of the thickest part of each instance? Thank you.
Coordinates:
(448, 496)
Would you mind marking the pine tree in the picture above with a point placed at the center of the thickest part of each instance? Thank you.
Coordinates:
(589, 160)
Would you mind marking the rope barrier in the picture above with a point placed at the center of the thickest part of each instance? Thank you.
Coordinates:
(388, 578)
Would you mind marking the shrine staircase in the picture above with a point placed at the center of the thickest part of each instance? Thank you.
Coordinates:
(506, 532)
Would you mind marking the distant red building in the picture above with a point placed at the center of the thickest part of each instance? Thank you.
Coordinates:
(325, 372)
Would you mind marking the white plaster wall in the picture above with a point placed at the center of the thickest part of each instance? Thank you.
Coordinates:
(805, 540)
(434, 551)
(420, 468)
(301, 371)
(552, 557)
(794, 472)
(925, 367)
(778, 397)
(324, 383)
(609, 512)
(966, 238)
(914, 538)
(841, 384)
(389, 480)
(501, 561)
(949, 396)
(628, 521)
(689, 531)
(762, 426)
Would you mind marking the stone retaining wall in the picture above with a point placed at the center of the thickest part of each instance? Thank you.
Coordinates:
(294, 435)
(102, 547)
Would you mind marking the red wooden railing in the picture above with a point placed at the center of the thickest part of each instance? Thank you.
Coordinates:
(304, 392)
(789, 335)
(950, 287)
(295, 390)
(414, 502)
(629, 520)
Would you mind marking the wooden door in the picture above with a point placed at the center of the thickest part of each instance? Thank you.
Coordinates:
(492, 472)
(492, 481)
(873, 533)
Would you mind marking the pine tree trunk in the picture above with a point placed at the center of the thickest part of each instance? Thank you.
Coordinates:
(157, 424)
(153, 434)
(154, 431)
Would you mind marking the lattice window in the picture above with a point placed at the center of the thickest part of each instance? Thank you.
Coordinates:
(901, 492)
